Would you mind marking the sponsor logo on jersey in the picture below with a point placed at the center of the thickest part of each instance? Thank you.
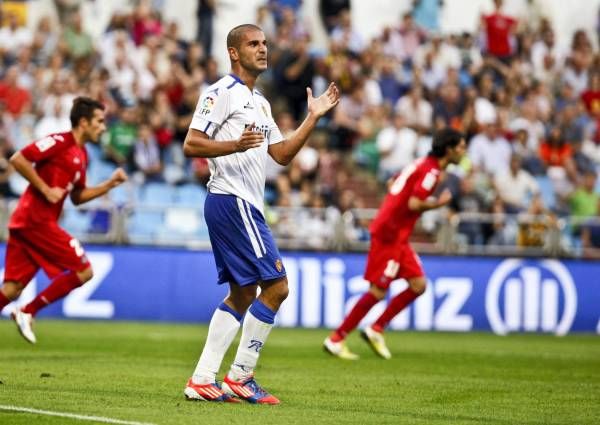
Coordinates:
(248, 106)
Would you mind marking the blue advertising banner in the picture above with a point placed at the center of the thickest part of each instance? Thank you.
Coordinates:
(464, 293)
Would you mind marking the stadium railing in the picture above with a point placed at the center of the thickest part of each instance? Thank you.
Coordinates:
(329, 229)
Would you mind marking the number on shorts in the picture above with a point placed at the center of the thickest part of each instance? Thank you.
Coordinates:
(76, 245)
(391, 270)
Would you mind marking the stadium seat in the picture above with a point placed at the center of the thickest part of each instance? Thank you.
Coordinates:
(157, 194)
(142, 226)
(190, 195)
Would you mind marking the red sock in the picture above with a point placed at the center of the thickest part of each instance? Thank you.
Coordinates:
(360, 310)
(4, 301)
(396, 305)
(58, 288)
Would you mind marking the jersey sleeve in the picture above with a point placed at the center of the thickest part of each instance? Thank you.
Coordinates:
(44, 148)
(211, 111)
(425, 184)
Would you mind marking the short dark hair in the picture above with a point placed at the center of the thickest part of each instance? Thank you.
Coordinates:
(234, 38)
(84, 107)
(444, 139)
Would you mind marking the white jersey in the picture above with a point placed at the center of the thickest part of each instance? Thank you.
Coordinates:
(224, 110)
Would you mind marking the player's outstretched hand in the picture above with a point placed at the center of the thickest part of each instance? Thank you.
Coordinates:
(54, 194)
(445, 197)
(118, 176)
(319, 106)
(249, 139)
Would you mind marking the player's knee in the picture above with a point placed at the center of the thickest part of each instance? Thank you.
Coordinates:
(418, 285)
(85, 275)
(12, 290)
(378, 292)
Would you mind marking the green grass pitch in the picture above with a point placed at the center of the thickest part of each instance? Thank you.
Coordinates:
(136, 372)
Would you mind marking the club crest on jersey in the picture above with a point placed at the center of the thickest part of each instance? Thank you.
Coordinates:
(207, 105)
(279, 265)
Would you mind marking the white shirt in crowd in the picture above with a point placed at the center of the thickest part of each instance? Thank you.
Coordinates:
(516, 189)
(490, 155)
(420, 114)
(397, 148)
(223, 111)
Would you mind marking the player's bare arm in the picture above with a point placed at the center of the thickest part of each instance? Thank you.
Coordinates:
(420, 205)
(81, 196)
(197, 144)
(25, 168)
(285, 151)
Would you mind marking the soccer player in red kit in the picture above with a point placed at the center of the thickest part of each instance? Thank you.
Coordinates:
(390, 256)
(35, 239)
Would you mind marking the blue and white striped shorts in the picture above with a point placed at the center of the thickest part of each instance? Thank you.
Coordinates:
(242, 243)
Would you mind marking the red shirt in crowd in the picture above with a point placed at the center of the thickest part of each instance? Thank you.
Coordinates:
(498, 30)
(15, 98)
(555, 155)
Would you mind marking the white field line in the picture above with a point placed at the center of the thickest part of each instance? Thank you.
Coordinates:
(71, 415)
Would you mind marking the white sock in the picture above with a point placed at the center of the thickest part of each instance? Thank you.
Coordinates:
(254, 335)
(221, 332)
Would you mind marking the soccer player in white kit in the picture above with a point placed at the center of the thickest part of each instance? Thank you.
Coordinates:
(234, 128)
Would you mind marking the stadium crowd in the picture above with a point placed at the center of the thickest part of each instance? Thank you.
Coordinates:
(530, 110)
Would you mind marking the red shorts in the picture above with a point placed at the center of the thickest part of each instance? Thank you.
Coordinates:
(48, 247)
(387, 262)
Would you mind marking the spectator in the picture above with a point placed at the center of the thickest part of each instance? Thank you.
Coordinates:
(119, 141)
(499, 31)
(396, 145)
(55, 122)
(76, 43)
(427, 14)
(146, 155)
(516, 187)
(14, 36)
(416, 110)
(295, 72)
(330, 11)
(345, 35)
(16, 98)
(489, 151)
(205, 13)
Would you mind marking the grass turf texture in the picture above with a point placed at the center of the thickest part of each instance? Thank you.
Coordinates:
(136, 372)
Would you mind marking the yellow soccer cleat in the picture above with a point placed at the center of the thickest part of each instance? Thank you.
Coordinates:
(376, 342)
(339, 349)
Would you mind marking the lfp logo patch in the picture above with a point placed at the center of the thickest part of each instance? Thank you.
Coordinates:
(207, 105)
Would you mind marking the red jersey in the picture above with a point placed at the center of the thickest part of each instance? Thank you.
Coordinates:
(59, 162)
(395, 221)
(498, 28)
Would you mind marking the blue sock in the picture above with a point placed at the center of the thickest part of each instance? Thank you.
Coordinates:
(262, 312)
(231, 311)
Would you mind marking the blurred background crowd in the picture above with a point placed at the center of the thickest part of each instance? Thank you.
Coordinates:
(529, 106)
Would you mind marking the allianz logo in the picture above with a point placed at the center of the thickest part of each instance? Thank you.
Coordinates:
(525, 296)
(520, 295)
